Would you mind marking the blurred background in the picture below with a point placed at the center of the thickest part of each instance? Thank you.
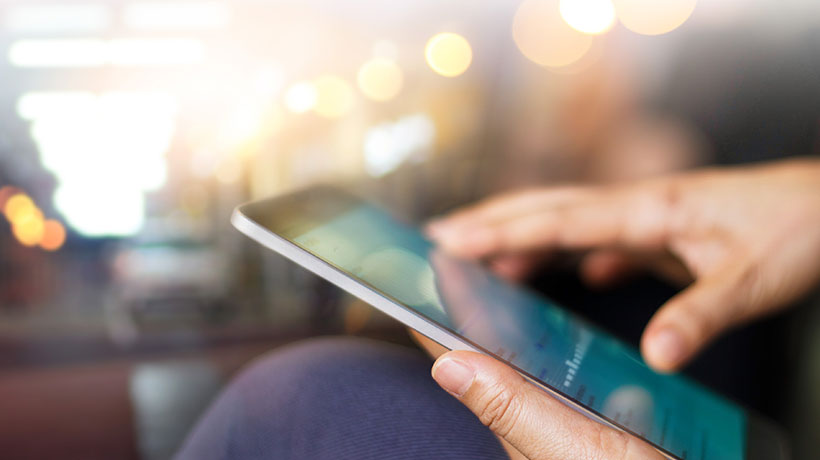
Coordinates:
(130, 129)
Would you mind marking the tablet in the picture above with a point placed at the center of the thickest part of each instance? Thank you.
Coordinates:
(459, 304)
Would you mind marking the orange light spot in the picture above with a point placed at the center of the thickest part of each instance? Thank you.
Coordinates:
(54, 235)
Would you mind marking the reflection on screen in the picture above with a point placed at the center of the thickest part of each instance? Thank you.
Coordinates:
(583, 363)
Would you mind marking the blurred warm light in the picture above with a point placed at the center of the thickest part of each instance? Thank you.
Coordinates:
(29, 229)
(301, 97)
(653, 17)
(88, 52)
(62, 52)
(249, 120)
(53, 18)
(334, 96)
(588, 16)
(106, 151)
(19, 207)
(448, 54)
(177, 15)
(544, 38)
(388, 145)
(155, 51)
(54, 235)
(380, 79)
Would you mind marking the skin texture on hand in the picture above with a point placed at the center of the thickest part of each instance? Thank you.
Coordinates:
(535, 425)
(498, 382)
(748, 240)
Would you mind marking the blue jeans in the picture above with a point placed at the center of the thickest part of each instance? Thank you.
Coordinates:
(340, 398)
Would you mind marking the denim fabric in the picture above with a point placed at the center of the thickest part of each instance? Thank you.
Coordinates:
(339, 399)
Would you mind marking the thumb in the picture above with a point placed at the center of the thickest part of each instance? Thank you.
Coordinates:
(539, 426)
(691, 319)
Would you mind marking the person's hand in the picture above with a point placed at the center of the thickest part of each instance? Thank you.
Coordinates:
(748, 237)
(530, 424)
(535, 424)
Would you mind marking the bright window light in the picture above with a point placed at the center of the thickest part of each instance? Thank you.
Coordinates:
(58, 53)
(388, 145)
(96, 53)
(34, 105)
(58, 18)
(106, 152)
(177, 15)
(96, 212)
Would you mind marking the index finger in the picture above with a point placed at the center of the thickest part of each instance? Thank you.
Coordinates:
(636, 216)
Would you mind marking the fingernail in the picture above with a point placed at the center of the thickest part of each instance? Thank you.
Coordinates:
(454, 376)
(668, 346)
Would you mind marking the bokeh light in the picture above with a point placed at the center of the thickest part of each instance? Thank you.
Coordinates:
(653, 17)
(588, 16)
(449, 54)
(18, 207)
(29, 228)
(380, 79)
(54, 235)
(301, 97)
(334, 96)
(545, 38)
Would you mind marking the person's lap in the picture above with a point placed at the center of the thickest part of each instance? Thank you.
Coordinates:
(336, 399)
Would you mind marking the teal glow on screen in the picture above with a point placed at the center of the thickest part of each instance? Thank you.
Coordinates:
(580, 361)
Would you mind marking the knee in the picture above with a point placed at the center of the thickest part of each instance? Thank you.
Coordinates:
(325, 363)
(339, 367)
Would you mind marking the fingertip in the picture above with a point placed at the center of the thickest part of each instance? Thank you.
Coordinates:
(665, 349)
(467, 244)
(454, 375)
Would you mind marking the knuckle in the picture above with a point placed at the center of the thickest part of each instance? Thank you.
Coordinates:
(748, 288)
(669, 208)
(499, 410)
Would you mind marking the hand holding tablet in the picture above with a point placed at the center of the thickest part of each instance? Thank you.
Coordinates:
(551, 384)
